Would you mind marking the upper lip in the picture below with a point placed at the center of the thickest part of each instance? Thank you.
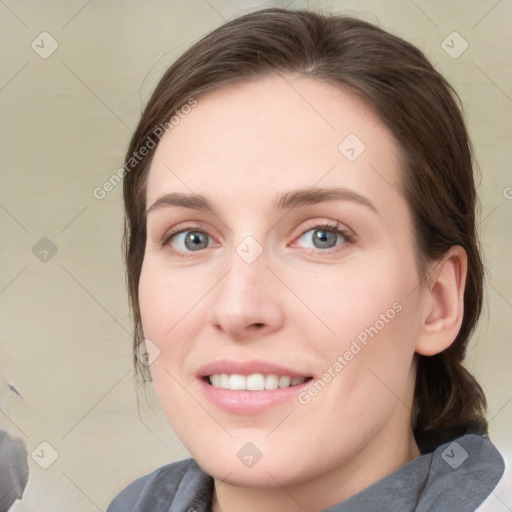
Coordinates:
(247, 368)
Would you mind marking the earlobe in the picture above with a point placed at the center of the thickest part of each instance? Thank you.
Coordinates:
(443, 317)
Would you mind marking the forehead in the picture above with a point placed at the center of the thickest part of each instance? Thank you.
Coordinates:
(242, 141)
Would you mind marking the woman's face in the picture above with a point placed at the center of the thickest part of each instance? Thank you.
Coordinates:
(253, 292)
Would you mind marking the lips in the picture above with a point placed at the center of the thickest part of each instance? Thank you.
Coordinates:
(249, 387)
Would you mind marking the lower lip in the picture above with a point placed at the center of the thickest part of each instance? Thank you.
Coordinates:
(249, 402)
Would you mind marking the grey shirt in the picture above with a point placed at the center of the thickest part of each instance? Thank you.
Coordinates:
(456, 477)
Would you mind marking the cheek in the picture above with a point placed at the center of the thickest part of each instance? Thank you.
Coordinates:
(160, 310)
(356, 302)
(164, 303)
(163, 309)
(372, 318)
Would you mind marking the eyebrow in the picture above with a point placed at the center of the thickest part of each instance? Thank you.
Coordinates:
(287, 200)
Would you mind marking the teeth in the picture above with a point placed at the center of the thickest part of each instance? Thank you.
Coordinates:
(237, 382)
(284, 382)
(253, 382)
(271, 381)
(224, 381)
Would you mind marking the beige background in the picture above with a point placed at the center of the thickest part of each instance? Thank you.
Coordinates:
(66, 121)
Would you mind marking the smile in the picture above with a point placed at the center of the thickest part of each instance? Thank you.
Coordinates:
(254, 381)
(251, 386)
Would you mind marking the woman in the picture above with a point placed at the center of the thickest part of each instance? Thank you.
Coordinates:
(304, 274)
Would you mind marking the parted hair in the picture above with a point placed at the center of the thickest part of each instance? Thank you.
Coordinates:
(418, 106)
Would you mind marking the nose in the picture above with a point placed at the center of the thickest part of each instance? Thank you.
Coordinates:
(247, 301)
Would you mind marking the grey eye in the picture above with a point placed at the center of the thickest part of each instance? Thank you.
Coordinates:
(322, 238)
(194, 239)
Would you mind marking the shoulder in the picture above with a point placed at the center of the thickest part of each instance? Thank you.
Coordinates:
(164, 487)
(462, 474)
(457, 476)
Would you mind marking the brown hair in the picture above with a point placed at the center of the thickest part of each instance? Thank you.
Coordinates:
(417, 105)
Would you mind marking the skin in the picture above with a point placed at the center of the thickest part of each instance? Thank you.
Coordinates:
(239, 147)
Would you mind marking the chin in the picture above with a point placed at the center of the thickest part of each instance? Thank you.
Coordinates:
(262, 474)
(239, 463)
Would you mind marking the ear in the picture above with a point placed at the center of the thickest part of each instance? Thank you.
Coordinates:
(444, 305)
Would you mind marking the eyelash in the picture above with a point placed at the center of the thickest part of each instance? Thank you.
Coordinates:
(335, 228)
